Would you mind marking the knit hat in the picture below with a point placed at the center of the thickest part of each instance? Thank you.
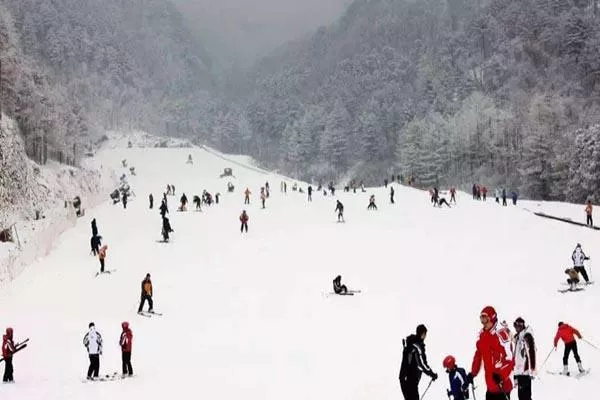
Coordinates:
(421, 329)
(91, 324)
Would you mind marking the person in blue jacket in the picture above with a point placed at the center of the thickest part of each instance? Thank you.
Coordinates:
(459, 385)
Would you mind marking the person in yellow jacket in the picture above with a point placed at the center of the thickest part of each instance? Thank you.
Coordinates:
(146, 294)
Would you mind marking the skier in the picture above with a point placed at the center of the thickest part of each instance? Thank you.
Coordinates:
(102, 256)
(567, 334)
(168, 190)
(414, 363)
(146, 295)
(310, 190)
(494, 349)
(504, 196)
(244, 220)
(578, 258)
(95, 243)
(267, 189)
(263, 197)
(497, 195)
(126, 342)
(372, 205)
(197, 202)
(588, 211)
(453, 195)
(217, 195)
(392, 194)
(442, 201)
(163, 208)
(93, 343)
(474, 192)
(173, 190)
(189, 160)
(183, 201)
(166, 229)
(151, 199)
(573, 278)
(484, 192)
(340, 210)
(125, 199)
(514, 197)
(94, 228)
(8, 349)
(247, 196)
(435, 196)
(524, 358)
(338, 288)
(459, 387)
(385, 182)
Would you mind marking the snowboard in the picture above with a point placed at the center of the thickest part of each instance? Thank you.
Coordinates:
(575, 375)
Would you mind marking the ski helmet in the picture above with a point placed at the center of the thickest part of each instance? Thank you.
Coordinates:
(125, 325)
(490, 312)
(449, 362)
(9, 331)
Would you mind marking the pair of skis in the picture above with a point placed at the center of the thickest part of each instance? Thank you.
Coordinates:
(149, 314)
(115, 376)
(576, 376)
(578, 288)
(18, 347)
(108, 271)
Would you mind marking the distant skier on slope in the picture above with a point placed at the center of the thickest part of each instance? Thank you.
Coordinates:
(524, 358)
(573, 278)
(183, 201)
(459, 386)
(151, 200)
(166, 229)
(102, 256)
(338, 288)
(340, 210)
(126, 342)
(414, 363)
(125, 196)
(244, 220)
(578, 258)
(146, 295)
(93, 343)
(163, 208)
(588, 212)
(392, 194)
(263, 197)
(453, 195)
(567, 334)
(372, 205)
(197, 203)
(310, 190)
(8, 349)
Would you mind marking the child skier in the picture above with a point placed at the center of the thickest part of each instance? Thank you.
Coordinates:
(567, 334)
(338, 288)
(102, 256)
(459, 386)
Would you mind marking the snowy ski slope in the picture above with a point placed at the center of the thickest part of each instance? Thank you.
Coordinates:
(247, 316)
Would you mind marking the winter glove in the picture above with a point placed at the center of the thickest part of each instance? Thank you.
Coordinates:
(470, 378)
(466, 394)
(497, 378)
(434, 376)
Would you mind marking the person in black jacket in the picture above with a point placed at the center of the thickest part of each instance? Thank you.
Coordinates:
(414, 363)
(338, 288)
(151, 199)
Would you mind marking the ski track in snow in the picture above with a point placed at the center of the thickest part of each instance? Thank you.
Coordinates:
(245, 315)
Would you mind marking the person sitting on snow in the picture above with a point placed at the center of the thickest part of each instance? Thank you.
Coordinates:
(338, 288)
(573, 278)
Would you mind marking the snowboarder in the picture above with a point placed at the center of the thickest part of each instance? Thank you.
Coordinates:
(146, 295)
(163, 208)
(459, 387)
(392, 194)
(578, 258)
(244, 220)
(94, 228)
(310, 190)
(247, 196)
(372, 205)
(8, 349)
(340, 210)
(524, 358)
(95, 243)
(126, 342)
(493, 348)
(184, 201)
(588, 212)
(102, 256)
(197, 202)
(166, 229)
(567, 334)
(93, 343)
(414, 363)
(151, 199)
(338, 288)
(573, 278)
(125, 199)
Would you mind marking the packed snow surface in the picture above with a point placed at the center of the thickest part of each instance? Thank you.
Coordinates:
(250, 315)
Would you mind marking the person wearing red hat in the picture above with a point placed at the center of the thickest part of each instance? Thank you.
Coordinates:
(8, 349)
(126, 342)
(567, 334)
(459, 386)
(494, 349)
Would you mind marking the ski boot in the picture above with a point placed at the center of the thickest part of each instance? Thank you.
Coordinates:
(566, 370)
(581, 370)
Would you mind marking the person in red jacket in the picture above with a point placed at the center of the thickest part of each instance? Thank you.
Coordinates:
(244, 220)
(567, 334)
(8, 349)
(495, 351)
(125, 342)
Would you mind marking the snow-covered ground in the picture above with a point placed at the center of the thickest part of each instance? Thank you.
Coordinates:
(248, 315)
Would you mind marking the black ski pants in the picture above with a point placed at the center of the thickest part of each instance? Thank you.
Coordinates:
(496, 396)
(341, 290)
(410, 390)
(524, 382)
(244, 226)
(589, 221)
(571, 347)
(94, 368)
(102, 265)
(8, 370)
(583, 273)
(247, 200)
(151, 204)
(126, 359)
(392, 198)
(143, 301)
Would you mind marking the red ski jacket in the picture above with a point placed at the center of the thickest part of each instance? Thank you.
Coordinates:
(8, 347)
(126, 341)
(567, 333)
(491, 351)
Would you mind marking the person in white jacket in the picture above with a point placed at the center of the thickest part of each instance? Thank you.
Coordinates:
(93, 343)
(524, 358)
(578, 258)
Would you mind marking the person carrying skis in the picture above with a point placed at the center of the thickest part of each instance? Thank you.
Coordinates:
(392, 194)
(126, 342)
(340, 210)
(151, 200)
(372, 205)
(102, 256)
(578, 258)
(453, 195)
(247, 196)
(567, 334)
(459, 387)
(93, 343)
(588, 212)
(493, 349)
(8, 349)
(244, 220)
(146, 295)
(338, 288)
(524, 358)
(414, 363)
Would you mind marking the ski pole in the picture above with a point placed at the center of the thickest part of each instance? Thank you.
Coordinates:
(546, 360)
(425, 392)
(593, 345)
(473, 387)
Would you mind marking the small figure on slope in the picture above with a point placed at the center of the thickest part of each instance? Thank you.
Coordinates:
(338, 288)
(578, 258)
(151, 200)
(263, 196)
(125, 196)
(8, 349)
(146, 295)
(267, 189)
(453, 195)
(567, 334)
(93, 343)
(310, 190)
(126, 342)
(414, 363)
(442, 201)
(102, 256)
(163, 208)
(524, 358)
(94, 228)
(166, 229)
(588, 212)
(244, 220)
(372, 205)
(459, 386)
(392, 194)
(197, 203)
(247, 196)
(184, 201)
(573, 279)
(340, 210)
